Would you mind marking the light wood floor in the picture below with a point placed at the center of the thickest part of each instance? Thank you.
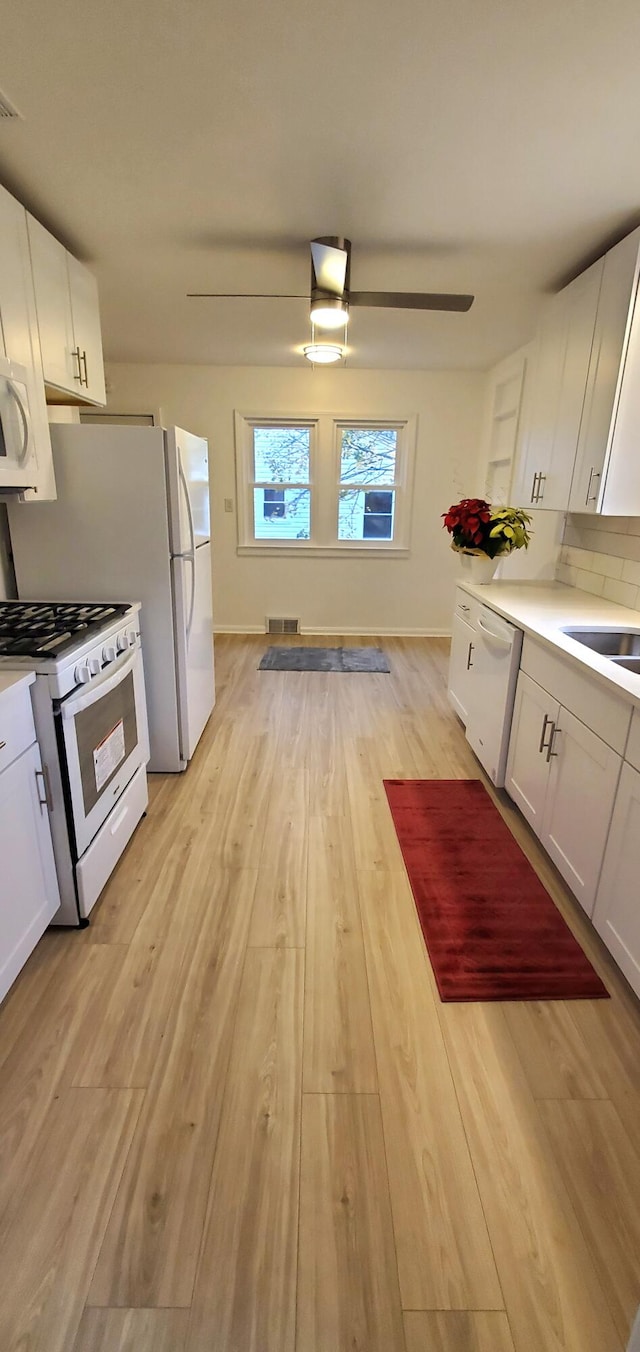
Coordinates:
(235, 1117)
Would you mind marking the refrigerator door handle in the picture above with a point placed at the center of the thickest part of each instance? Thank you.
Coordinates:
(191, 558)
(185, 488)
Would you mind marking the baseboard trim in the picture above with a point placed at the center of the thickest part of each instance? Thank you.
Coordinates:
(336, 629)
(239, 629)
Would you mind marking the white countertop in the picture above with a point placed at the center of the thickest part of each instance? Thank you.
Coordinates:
(543, 610)
(10, 679)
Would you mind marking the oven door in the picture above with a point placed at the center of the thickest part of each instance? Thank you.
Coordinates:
(103, 731)
(18, 462)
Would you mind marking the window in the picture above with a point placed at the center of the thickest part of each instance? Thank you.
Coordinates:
(323, 484)
(367, 458)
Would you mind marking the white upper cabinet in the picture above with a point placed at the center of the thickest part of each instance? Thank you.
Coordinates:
(620, 495)
(19, 340)
(68, 321)
(53, 304)
(613, 323)
(553, 408)
(85, 313)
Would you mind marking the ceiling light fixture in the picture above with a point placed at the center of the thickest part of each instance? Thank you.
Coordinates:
(323, 353)
(329, 314)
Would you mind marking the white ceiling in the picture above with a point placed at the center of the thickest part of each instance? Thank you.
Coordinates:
(183, 145)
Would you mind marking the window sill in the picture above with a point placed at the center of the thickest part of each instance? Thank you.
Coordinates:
(282, 549)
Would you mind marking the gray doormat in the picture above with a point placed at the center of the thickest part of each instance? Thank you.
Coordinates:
(324, 659)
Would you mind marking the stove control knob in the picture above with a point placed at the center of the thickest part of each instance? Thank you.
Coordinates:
(109, 653)
(122, 642)
(132, 636)
(94, 664)
(82, 674)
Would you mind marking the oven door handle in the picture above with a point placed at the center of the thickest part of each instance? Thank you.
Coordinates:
(74, 706)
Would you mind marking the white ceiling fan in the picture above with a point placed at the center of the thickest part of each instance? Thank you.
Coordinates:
(331, 295)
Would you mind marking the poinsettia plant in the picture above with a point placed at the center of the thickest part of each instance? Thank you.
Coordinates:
(476, 527)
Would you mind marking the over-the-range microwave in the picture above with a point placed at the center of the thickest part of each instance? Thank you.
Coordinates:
(18, 458)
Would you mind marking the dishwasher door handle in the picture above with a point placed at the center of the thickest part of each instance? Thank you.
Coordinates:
(497, 638)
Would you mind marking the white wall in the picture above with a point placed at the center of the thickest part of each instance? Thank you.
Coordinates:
(339, 595)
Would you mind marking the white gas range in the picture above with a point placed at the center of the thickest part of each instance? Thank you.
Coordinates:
(91, 721)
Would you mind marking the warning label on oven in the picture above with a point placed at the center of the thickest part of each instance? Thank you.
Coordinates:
(108, 754)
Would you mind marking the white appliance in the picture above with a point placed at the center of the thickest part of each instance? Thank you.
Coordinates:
(132, 519)
(495, 660)
(91, 722)
(18, 459)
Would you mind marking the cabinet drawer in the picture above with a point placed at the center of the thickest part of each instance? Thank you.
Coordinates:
(467, 608)
(17, 730)
(605, 714)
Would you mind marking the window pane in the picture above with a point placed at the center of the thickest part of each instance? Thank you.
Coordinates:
(368, 455)
(281, 454)
(365, 516)
(287, 518)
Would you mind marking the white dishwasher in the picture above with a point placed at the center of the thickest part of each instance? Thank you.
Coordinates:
(496, 659)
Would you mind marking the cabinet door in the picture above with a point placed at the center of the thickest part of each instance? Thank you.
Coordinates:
(461, 666)
(51, 282)
(621, 492)
(86, 329)
(28, 886)
(615, 307)
(541, 399)
(581, 305)
(19, 340)
(527, 776)
(583, 777)
(561, 363)
(616, 914)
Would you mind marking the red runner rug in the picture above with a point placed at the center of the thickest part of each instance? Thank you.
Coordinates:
(491, 928)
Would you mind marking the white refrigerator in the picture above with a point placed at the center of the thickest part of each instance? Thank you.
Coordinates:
(131, 523)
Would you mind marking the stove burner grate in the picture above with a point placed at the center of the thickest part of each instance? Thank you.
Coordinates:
(43, 629)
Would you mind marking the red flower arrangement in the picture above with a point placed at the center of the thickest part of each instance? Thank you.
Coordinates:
(468, 522)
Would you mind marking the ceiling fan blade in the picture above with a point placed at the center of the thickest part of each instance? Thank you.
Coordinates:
(243, 295)
(329, 266)
(412, 300)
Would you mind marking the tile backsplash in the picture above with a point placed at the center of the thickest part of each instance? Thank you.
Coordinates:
(601, 554)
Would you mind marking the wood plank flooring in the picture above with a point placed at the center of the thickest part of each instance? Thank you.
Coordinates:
(235, 1116)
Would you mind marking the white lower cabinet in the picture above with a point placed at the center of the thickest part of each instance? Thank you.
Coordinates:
(527, 767)
(563, 778)
(29, 896)
(583, 777)
(617, 910)
(460, 666)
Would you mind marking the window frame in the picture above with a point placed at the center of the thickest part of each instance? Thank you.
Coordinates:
(324, 484)
(398, 486)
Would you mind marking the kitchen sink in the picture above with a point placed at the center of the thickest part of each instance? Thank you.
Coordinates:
(629, 663)
(620, 645)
